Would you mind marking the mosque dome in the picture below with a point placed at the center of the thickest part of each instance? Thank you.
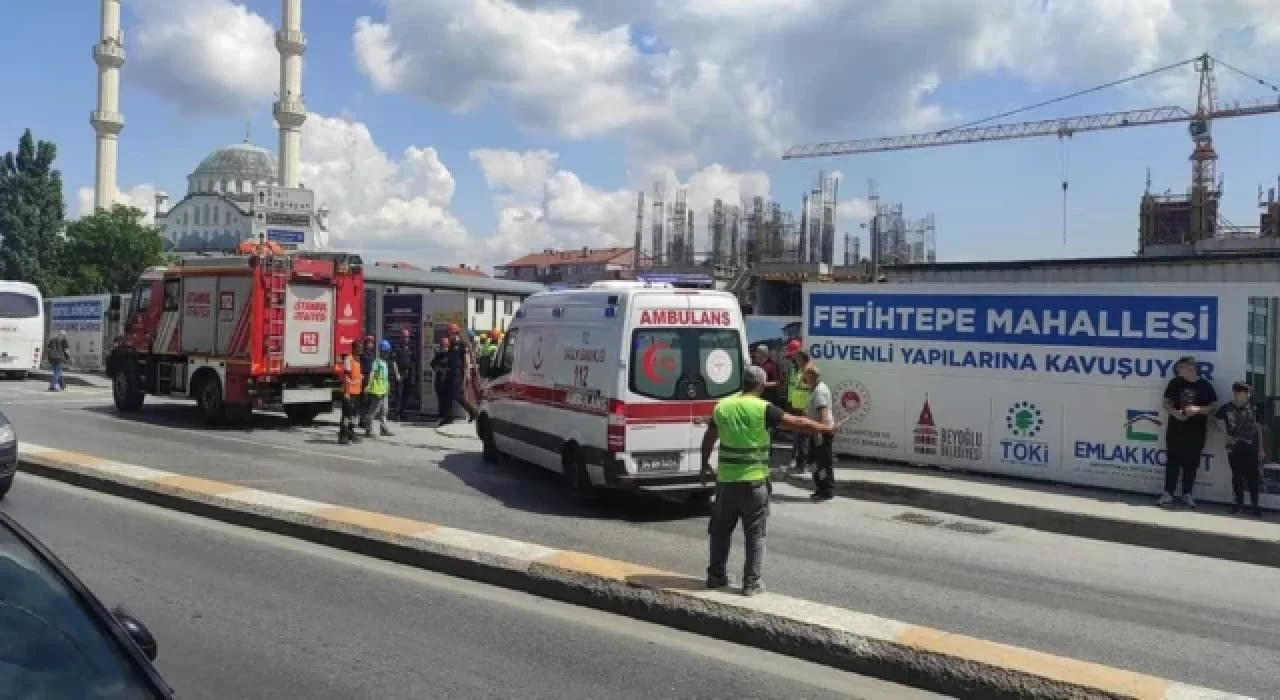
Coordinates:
(234, 169)
(240, 161)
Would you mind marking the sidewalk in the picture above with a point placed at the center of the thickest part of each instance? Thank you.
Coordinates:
(1080, 512)
(85, 379)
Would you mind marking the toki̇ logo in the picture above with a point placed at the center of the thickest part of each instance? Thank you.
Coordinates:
(1024, 421)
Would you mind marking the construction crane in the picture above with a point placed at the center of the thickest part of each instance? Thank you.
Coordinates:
(1204, 191)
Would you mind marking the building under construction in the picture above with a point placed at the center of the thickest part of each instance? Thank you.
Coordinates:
(756, 243)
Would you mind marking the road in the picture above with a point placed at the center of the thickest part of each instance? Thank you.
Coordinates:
(1197, 620)
(241, 614)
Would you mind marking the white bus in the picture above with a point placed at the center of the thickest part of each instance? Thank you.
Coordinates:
(21, 328)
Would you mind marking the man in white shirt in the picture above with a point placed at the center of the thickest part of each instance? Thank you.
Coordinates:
(819, 409)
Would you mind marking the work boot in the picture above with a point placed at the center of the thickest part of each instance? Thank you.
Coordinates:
(368, 432)
(716, 583)
(752, 589)
(386, 433)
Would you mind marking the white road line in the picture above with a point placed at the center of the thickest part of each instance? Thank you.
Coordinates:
(246, 441)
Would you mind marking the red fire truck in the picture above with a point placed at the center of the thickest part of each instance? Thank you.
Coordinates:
(259, 329)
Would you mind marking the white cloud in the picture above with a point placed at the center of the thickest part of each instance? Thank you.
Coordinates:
(380, 204)
(856, 209)
(140, 196)
(205, 56)
(562, 74)
(541, 207)
(737, 81)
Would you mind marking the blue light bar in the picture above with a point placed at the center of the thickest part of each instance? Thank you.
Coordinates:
(610, 311)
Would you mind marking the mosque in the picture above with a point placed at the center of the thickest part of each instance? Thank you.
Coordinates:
(218, 211)
(237, 192)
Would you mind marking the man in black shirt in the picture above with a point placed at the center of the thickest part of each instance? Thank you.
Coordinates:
(1189, 400)
(1244, 445)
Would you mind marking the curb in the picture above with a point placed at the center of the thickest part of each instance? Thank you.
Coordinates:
(1241, 548)
(70, 379)
(929, 659)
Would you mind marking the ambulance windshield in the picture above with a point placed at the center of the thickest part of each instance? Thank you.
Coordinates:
(687, 364)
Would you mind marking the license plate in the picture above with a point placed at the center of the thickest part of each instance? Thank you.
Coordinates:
(664, 462)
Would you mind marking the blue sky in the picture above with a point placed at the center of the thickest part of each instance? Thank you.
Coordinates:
(992, 201)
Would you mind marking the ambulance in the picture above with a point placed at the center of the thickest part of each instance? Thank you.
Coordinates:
(612, 385)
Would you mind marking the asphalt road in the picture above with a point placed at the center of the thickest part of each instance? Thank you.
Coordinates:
(1197, 620)
(240, 614)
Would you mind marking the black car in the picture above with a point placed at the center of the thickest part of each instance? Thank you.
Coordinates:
(8, 455)
(57, 640)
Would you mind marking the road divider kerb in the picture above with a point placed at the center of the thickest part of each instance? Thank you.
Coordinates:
(947, 663)
(1255, 542)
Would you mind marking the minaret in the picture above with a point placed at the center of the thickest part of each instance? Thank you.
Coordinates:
(289, 110)
(107, 121)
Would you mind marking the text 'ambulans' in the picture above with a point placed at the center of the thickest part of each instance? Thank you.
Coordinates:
(686, 317)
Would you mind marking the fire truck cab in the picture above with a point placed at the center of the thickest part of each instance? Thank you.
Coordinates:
(257, 330)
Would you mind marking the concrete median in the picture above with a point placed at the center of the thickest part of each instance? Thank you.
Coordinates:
(926, 658)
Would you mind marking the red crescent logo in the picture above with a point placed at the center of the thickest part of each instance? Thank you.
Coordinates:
(650, 363)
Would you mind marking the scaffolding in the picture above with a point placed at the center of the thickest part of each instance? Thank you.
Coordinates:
(738, 236)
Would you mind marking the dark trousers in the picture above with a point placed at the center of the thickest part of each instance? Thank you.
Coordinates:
(748, 502)
(400, 394)
(824, 477)
(1182, 457)
(1246, 473)
(347, 423)
(451, 393)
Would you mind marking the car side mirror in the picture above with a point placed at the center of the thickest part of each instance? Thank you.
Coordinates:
(139, 633)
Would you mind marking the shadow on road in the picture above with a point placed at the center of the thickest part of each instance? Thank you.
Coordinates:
(188, 417)
(531, 488)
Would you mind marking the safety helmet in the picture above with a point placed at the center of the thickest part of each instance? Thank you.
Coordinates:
(793, 347)
(384, 345)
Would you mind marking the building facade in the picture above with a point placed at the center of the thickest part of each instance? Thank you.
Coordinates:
(571, 268)
(219, 209)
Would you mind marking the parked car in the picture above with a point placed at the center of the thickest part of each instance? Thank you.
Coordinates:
(8, 455)
(59, 640)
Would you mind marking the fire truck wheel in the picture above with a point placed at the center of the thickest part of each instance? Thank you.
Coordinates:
(209, 399)
(124, 390)
(302, 414)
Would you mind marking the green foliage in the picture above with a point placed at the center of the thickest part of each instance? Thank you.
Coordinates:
(31, 214)
(108, 250)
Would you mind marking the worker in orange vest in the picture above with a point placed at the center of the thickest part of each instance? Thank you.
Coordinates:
(349, 372)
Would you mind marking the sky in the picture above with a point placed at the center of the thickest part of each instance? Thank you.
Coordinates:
(474, 131)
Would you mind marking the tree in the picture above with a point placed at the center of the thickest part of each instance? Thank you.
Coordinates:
(108, 250)
(31, 214)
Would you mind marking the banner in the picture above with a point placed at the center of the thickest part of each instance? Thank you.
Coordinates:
(1054, 382)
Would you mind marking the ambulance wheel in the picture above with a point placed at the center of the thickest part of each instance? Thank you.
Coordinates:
(209, 399)
(124, 390)
(579, 478)
(489, 452)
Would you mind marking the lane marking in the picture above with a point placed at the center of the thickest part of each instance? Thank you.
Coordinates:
(1017, 659)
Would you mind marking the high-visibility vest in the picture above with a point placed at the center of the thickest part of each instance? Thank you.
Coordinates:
(379, 383)
(351, 378)
(744, 439)
(797, 392)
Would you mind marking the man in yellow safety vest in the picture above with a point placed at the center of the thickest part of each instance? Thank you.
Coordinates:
(798, 399)
(377, 390)
(741, 424)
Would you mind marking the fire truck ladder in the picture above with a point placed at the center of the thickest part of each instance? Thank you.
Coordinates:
(277, 282)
